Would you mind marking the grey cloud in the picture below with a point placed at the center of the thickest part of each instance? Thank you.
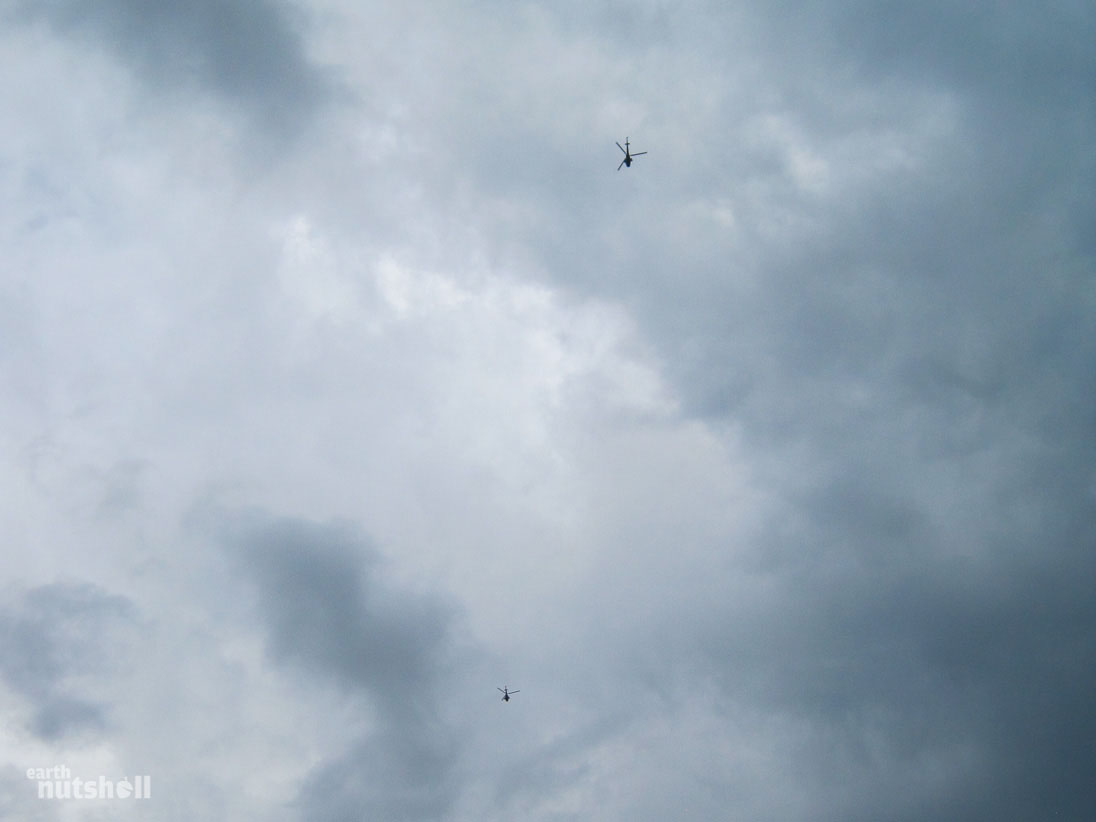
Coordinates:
(390, 775)
(60, 716)
(327, 609)
(907, 655)
(861, 247)
(1002, 52)
(54, 633)
(245, 52)
(553, 767)
(19, 799)
(909, 356)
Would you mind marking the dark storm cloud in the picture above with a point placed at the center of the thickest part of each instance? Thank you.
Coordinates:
(246, 52)
(54, 633)
(862, 243)
(909, 354)
(922, 382)
(920, 270)
(977, 669)
(920, 374)
(1019, 52)
(327, 609)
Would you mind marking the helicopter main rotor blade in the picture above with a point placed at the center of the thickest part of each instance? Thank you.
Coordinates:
(618, 145)
(621, 164)
(637, 153)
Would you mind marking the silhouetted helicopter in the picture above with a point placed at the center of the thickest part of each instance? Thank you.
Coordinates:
(628, 156)
(506, 693)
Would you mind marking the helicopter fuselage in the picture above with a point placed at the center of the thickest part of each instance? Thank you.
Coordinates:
(628, 156)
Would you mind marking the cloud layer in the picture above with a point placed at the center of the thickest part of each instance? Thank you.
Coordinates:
(344, 380)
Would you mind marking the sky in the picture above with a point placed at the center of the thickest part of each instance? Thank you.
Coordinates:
(344, 379)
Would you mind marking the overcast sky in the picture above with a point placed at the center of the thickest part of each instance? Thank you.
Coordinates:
(344, 379)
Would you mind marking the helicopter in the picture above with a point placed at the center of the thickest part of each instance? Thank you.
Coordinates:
(506, 693)
(628, 156)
